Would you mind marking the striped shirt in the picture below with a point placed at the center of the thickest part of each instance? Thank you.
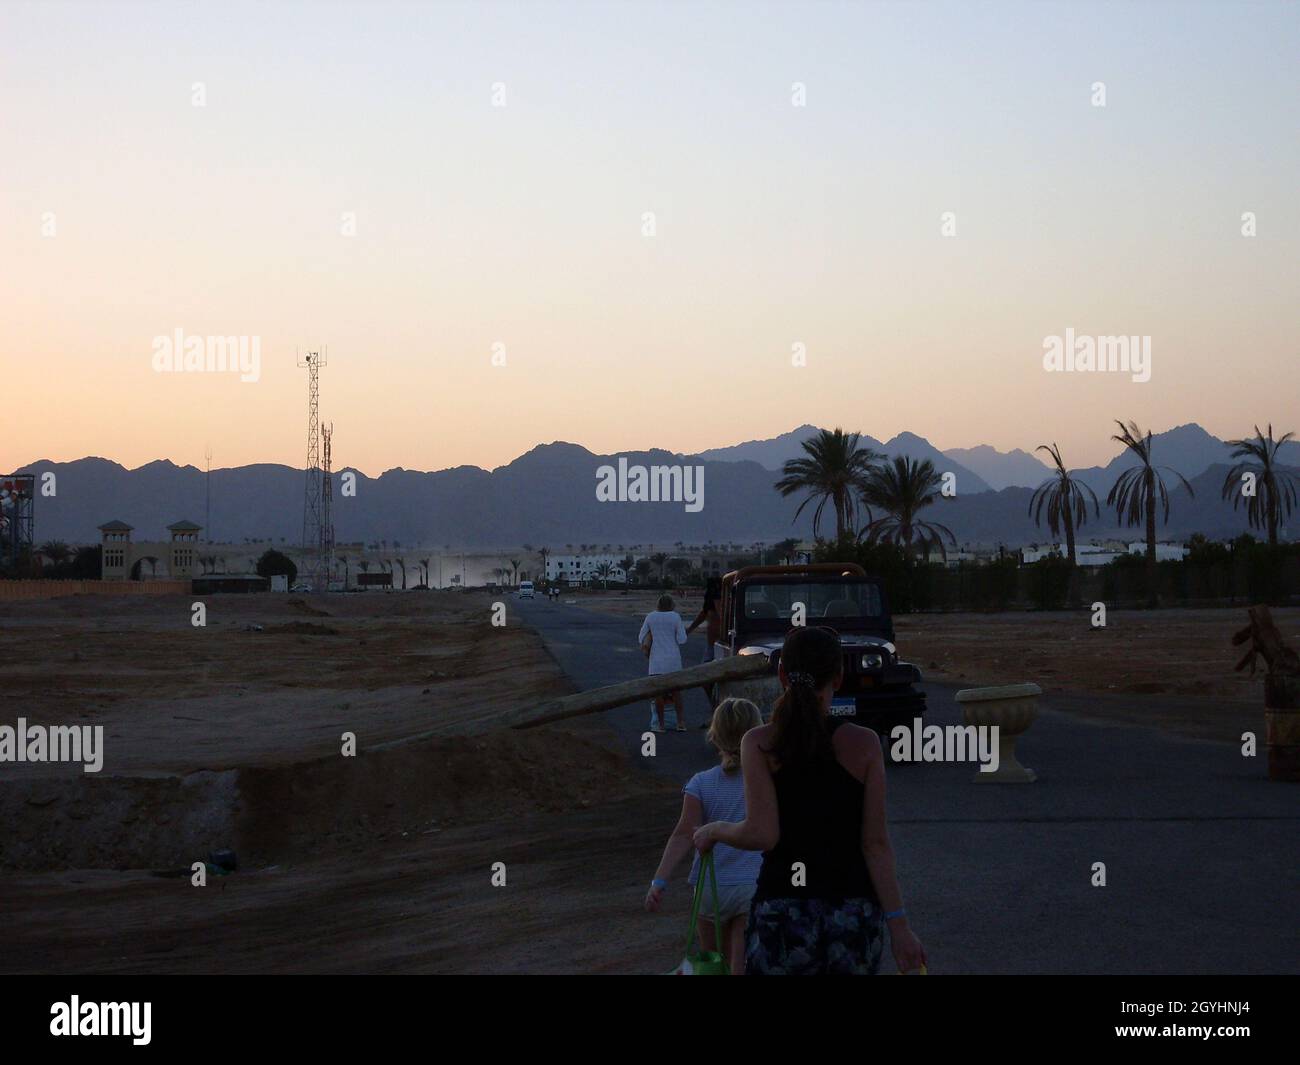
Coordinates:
(723, 797)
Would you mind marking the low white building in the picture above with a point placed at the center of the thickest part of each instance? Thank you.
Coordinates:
(1164, 552)
(1089, 554)
(584, 569)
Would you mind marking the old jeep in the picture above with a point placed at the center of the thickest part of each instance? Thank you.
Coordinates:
(760, 604)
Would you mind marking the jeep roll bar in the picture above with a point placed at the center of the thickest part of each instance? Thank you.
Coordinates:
(838, 569)
(842, 569)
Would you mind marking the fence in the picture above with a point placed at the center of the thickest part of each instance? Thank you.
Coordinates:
(53, 589)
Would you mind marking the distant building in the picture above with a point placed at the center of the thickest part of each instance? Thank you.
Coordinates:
(117, 550)
(584, 569)
(1164, 552)
(125, 559)
(1091, 555)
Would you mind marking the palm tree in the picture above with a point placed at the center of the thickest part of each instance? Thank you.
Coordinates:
(679, 567)
(784, 549)
(603, 571)
(626, 563)
(424, 564)
(1275, 491)
(1134, 495)
(660, 560)
(903, 488)
(836, 471)
(642, 568)
(1066, 500)
(56, 551)
(346, 570)
(402, 562)
(514, 565)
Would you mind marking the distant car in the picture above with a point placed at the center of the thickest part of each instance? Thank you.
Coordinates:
(526, 590)
(300, 587)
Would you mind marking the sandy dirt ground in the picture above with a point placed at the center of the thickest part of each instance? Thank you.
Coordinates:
(229, 736)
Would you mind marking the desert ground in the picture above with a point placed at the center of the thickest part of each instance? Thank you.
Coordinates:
(229, 736)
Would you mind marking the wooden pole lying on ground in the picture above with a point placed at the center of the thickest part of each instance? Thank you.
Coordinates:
(737, 667)
(1281, 692)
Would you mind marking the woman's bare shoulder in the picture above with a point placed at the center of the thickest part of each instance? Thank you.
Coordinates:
(856, 740)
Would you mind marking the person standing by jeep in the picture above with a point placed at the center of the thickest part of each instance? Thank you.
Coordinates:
(664, 631)
(710, 616)
(815, 805)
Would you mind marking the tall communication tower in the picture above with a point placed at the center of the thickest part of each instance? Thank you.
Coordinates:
(315, 566)
(326, 509)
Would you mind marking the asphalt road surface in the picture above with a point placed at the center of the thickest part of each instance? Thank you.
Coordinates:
(1201, 851)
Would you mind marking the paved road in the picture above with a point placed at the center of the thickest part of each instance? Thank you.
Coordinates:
(1201, 852)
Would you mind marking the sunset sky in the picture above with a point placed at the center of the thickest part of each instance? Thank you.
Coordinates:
(521, 225)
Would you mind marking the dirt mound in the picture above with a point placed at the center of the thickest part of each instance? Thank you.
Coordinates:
(96, 822)
(296, 811)
(278, 814)
(303, 607)
(303, 628)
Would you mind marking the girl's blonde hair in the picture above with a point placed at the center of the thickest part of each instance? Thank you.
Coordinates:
(731, 720)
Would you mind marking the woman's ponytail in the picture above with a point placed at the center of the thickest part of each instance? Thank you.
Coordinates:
(811, 657)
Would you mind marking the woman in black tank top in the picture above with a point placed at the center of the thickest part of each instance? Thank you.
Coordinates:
(815, 805)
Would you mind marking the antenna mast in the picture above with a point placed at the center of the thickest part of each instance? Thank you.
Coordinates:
(326, 510)
(315, 567)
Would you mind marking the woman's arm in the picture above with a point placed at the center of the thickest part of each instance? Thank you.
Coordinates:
(678, 847)
(645, 630)
(700, 618)
(761, 828)
(879, 855)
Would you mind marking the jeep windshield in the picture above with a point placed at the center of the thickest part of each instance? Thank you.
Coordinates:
(842, 604)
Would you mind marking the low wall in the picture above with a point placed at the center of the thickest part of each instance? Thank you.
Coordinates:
(54, 589)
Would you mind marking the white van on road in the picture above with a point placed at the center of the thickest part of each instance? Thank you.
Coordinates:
(525, 589)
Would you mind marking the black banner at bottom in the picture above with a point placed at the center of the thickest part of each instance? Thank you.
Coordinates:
(347, 1014)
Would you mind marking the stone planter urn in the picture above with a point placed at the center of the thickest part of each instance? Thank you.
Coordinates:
(1012, 709)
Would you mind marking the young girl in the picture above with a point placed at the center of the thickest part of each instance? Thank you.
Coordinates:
(717, 794)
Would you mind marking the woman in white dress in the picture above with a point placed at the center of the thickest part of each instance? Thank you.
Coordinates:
(667, 633)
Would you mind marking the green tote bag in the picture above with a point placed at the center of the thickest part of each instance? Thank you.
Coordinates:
(705, 962)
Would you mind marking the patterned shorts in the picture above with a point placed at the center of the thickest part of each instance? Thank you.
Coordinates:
(806, 937)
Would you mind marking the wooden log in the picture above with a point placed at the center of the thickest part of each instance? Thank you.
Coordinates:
(632, 691)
